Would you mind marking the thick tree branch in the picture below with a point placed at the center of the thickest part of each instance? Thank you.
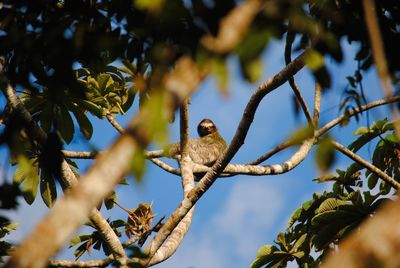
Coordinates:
(67, 175)
(80, 155)
(378, 53)
(240, 135)
(366, 164)
(109, 168)
(232, 27)
(92, 263)
(174, 240)
(251, 168)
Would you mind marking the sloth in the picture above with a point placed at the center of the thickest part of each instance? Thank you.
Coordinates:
(204, 150)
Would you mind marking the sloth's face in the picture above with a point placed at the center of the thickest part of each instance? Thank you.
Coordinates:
(206, 127)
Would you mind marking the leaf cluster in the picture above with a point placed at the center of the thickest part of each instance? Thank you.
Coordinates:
(319, 224)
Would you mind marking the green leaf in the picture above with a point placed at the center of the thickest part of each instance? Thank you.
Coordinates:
(91, 107)
(46, 117)
(104, 81)
(64, 123)
(385, 188)
(138, 164)
(30, 185)
(314, 60)
(80, 250)
(150, 5)
(325, 178)
(253, 44)
(301, 134)
(372, 181)
(130, 97)
(253, 69)
(109, 201)
(124, 182)
(325, 153)
(23, 170)
(298, 254)
(155, 119)
(79, 239)
(128, 68)
(264, 256)
(85, 126)
(48, 189)
(331, 204)
(361, 131)
(298, 243)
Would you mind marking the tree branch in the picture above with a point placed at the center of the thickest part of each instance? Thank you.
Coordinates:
(240, 135)
(80, 155)
(251, 168)
(366, 164)
(232, 27)
(345, 116)
(288, 58)
(68, 177)
(175, 238)
(92, 263)
(114, 123)
(109, 168)
(378, 53)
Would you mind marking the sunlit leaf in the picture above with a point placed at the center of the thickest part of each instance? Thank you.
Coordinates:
(253, 70)
(79, 239)
(91, 107)
(30, 185)
(264, 256)
(301, 134)
(150, 5)
(331, 204)
(314, 60)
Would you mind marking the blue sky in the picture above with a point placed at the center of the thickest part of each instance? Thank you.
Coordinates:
(239, 214)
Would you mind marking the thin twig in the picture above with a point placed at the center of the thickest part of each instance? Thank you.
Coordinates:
(325, 128)
(366, 164)
(288, 58)
(317, 104)
(114, 123)
(351, 113)
(267, 155)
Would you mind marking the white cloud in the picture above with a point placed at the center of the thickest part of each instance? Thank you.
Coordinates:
(250, 209)
(231, 238)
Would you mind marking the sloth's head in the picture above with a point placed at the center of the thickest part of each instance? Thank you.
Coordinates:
(206, 127)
